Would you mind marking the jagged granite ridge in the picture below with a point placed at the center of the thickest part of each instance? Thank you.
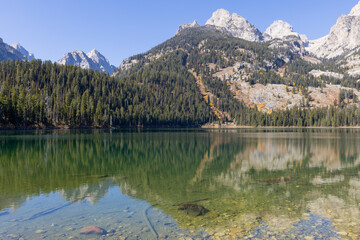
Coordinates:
(344, 36)
(9, 53)
(23, 51)
(236, 25)
(186, 26)
(92, 60)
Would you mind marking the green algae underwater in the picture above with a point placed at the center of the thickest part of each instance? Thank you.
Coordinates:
(255, 184)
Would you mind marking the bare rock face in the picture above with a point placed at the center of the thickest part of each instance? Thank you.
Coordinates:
(282, 30)
(236, 25)
(93, 60)
(281, 34)
(92, 230)
(319, 73)
(22, 50)
(76, 58)
(291, 43)
(344, 36)
(9, 53)
(355, 11)
(102, 64)
(186, 26)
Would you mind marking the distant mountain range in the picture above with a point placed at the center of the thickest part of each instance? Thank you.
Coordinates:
(226, 71)
(344, 36)
(342, 41)
(93, 60)
(23, 51)
(13, 52)
(262, 68)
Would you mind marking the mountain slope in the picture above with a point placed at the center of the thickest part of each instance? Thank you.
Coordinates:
(343, 37)
(280, 30)
(213, 53)
(162, 93)
(209, 40)
(235, 24)
(185, 26)
(23, 51)
(280, 34)
(9, 53)
(204, 74)
(93, 60)
(235, 76)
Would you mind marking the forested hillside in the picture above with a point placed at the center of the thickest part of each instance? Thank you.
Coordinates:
(49, 95)
(202, 75)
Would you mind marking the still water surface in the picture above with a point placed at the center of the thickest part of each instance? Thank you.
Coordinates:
(256, 184)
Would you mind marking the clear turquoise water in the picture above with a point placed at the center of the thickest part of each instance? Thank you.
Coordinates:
(256, 184)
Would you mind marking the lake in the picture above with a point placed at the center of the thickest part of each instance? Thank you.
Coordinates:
(180, 184)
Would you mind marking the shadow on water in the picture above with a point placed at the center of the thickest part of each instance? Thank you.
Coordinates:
(260, 183)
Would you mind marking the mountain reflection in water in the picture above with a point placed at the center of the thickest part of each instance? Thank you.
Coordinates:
(258, 183)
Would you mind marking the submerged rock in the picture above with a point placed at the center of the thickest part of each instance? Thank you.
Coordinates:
(276, 180)
(13, 236)
(193, 209)
(92, 230)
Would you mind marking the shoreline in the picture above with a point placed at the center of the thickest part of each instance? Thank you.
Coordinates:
(204, 127)
(225, 126)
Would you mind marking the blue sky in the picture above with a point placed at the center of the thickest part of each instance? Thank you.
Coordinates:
(119, 29)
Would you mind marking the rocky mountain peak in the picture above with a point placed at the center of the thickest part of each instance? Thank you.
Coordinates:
(355, 11)
(283, 30)
(344, 36)
(94, 54)
(23, 51)
(93, 60)
(185, 26)
(235, 24)
(9, 53)
(94, 51)
(279, 29)
(219, 18)
(76, 58)
(77, 53)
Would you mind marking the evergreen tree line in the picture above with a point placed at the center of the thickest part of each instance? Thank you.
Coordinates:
(161, 93)
(45, 95)
(302, 117)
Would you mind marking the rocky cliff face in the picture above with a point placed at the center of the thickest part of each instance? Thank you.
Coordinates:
(281, 34)
(93, 60)
(283, 30)
(102, 64)
(186, 26)
(344, 36)
(236, 25)
(9, 53)
(23, 51)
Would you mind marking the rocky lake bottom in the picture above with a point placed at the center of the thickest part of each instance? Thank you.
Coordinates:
(180, 184)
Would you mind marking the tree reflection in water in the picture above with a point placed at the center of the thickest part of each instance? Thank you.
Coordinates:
(248, 179)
